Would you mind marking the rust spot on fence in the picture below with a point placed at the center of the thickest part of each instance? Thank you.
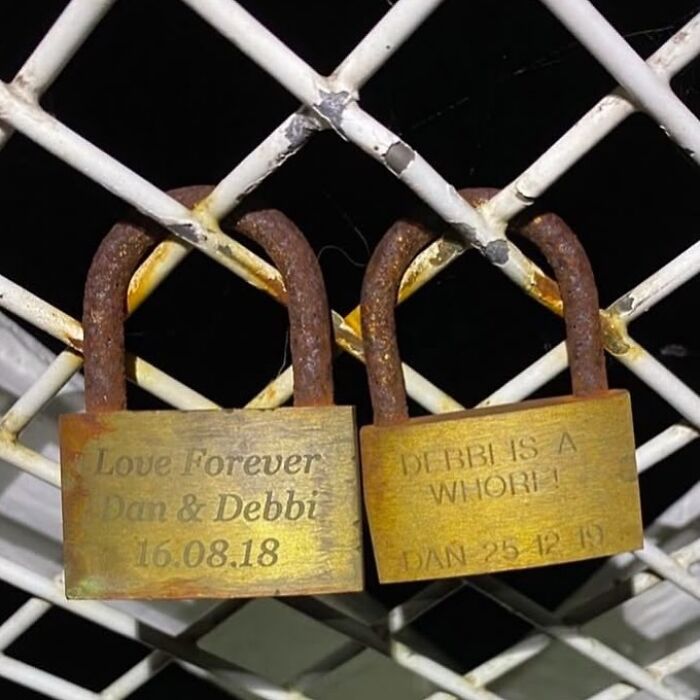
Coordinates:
(143, 279)
(75, 343)
(615, 336)
(269, 396)
(260, 277)
(545, 290)
(354, 320)
(272, 285)
(443, 250)
(347, 336)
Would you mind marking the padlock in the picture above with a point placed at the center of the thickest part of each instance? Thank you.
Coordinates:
(209, 503)
(505, 487)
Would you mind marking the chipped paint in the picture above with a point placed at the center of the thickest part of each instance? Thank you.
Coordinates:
(226, 251)
(615, 337)
(23, 86)
(497, 251)
(524, 198)
(274, 286)
(204, 216)
(398, 157)
(428, 263)
(302, 125)
(75, 343)
(332, 105)
(626, 304)
(257, 275)
(545, 290)
(188, 231)
(348, 340)
(249, 266)
(553, 167)
(478, 198)
(273, 395)
(353, 320)
(143, 279)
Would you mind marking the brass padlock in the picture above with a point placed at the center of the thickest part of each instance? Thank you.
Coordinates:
(504, 487)
(207, 503)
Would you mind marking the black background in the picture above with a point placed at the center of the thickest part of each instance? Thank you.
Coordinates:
(480, 91)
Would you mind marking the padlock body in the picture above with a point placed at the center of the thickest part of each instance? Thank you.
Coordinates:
(529, 484)
(235, 503)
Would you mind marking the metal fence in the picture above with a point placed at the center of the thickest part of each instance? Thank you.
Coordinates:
(332, 103)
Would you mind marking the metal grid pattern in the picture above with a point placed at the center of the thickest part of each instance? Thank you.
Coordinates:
(332, 102)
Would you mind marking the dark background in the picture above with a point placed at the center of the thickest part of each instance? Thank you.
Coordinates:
(480, 91)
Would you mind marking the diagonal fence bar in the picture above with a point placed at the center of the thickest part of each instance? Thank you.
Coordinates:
(137, 676)
(56, 48)
(21, 620)
(124, 625)
(595, 650)
(56, 376)
(590, 130)
(661, 668)
(42, 682)
(651, 92)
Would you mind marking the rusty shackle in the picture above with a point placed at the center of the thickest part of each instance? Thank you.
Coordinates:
(400, 245)
(127, 243)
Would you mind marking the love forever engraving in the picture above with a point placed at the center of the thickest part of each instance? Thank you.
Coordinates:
(271, 505)
(224, 506)
(212, 504)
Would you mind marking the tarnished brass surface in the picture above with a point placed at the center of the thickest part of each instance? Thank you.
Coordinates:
(169, 504)
(536, 483)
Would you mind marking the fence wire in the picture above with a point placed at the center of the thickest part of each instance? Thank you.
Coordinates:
(332, 103)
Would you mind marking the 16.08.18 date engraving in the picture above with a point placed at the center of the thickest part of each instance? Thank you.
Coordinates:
(215, 554)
